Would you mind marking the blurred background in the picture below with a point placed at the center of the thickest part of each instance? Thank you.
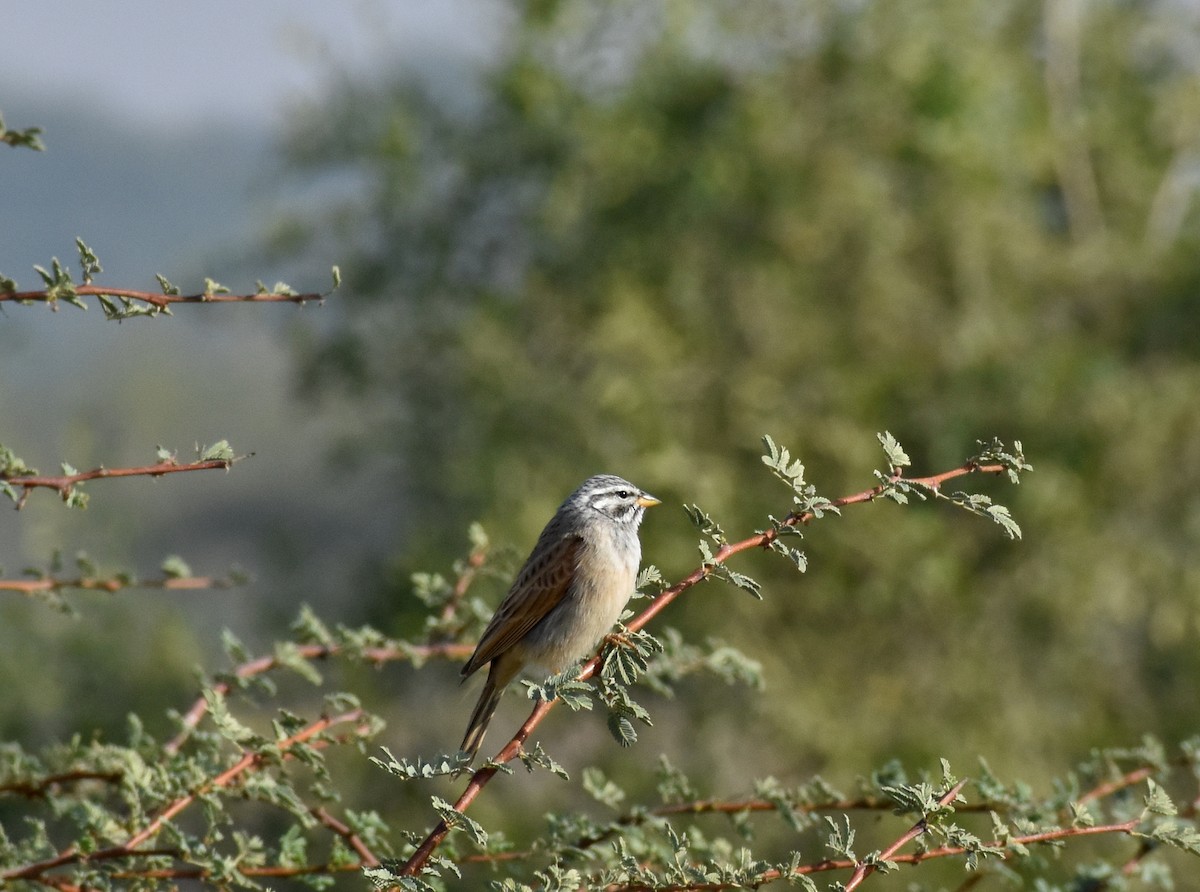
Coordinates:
(629, 237)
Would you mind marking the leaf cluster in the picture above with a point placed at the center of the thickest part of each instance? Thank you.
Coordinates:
(30, 138)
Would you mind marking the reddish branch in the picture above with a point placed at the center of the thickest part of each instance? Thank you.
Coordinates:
(836, 806)
(915, 858)
(366, 856)
(1110, 787)
(112, 584)
(476, 560)
(65, 483)
(511, 750)
(249, 761)
(865, 869)
(162, 301)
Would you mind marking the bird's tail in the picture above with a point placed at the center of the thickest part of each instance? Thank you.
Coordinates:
(481, 716)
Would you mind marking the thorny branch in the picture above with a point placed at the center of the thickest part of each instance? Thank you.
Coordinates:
(830, 806)
(64, 484)
(865, 869)
(113, 584)
(511, 750)
(248, 762)
(915, 858)
(162, 301)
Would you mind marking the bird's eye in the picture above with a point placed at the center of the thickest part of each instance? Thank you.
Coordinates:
(623, 493)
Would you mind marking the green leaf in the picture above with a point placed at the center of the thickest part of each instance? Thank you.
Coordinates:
(174, 567)
(996, 452)
(1157, 801)
(840, 839)
(337, 277)
(897, 458)
(650, 582)
(982, 505)
(218, 451)
(445, 764)
(287, 655)
(234, 649)
(566, 686)
(705, 524)
(455, 818)
(310, 629)
(623, 663)
(601, 788)
(779, 460)
(621, 729)
(29, 138)
(88, 261)
(539, 758)
(165, 285)
(228, 726)
(741, 580)
(673, 784)
(798, 558)
(1178, 834)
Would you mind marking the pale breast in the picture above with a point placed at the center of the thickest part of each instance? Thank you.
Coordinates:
(604, 578)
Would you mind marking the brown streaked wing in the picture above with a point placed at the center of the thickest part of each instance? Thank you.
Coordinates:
(539, 587)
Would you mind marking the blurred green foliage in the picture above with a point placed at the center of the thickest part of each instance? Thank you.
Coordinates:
(658, 231)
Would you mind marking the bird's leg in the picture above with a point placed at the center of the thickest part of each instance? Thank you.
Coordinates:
(618, 639)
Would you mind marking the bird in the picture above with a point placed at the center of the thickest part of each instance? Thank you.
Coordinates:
(567, 596)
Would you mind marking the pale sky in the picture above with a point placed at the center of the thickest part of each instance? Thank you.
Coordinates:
(159, 118)
(170, 62)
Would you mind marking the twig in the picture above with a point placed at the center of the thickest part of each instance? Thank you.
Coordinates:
(65, 483)
(162, 301)
(481, 777)
(865, 869)
(764, 539)
(352, 839)
(1135, 776)
(742, 806)
(113, 584)
(476, 560)
(773, 875)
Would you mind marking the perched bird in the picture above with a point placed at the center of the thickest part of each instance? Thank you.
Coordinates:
(571, 591)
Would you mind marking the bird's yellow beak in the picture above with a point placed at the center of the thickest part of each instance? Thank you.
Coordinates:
(646, 500)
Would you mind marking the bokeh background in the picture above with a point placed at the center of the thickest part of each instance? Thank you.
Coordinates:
(629, 237)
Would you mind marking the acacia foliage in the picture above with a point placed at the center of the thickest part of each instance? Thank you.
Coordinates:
(655, 230)
(243, 792)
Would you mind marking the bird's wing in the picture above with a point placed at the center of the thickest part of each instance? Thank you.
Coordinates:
(541, 584)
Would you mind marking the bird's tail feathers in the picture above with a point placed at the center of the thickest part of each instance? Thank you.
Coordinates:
(481, 716)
